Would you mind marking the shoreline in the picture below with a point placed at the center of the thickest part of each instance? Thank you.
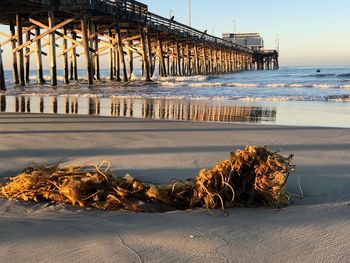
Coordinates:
(290, 113)
(313, 229)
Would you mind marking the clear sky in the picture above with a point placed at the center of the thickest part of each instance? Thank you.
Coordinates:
(311, 32)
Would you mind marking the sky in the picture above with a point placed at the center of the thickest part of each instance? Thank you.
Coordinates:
(311, 32)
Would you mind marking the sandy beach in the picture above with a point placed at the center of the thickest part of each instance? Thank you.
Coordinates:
(315, 229)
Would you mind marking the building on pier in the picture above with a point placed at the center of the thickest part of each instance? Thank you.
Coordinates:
(250, 40)
(263, 59)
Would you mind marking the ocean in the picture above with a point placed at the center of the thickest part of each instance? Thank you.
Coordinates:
(289, 96)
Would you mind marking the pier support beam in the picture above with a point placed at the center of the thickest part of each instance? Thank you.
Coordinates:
(205, 64)
(172, 62)
(53, 64)
(197, 63)
(97, 56)
(87, 52)
(2, 73)
(39, 61)
(121, 53)
(276, 63)
(117, 59)
(27, 58)
(73, 60)
(150, 55)
(183, 61)
(14, 54)
(162, 66)
(211, 61)
(65, 58)
(215, 61)
(90, 33)
(111, 57)
(130, 60)
(178, 59)
(168, 65)
(189, 72)
(20, 52)
(145, 61)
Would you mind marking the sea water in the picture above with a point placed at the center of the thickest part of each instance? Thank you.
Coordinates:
(289, 96)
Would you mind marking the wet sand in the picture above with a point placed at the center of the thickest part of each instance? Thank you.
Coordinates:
(315, 229)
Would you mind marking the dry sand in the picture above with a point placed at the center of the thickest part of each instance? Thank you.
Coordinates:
(316, 229)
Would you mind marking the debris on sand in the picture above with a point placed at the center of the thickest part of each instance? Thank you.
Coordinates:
(254, 176)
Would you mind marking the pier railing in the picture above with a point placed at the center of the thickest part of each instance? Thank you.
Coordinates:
(139, 11)
(165, 24)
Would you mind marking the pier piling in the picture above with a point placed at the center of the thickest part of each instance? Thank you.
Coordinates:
(52, 47)
(65, 58)
(121, 53)
(130, 59)
(73, 65)
(20, 52)
(2, 73)
(145, 61)
(27, 58)
(39, 61)
(87, 52)
(14, 54)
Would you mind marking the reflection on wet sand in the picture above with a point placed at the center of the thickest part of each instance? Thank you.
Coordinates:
(2, 103)
(168, 109)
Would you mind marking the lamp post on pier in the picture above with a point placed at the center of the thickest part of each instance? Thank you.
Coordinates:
(189, 13)
(278, 42)
(234, 30)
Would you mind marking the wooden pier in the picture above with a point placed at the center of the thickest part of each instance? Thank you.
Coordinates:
(123, 30)
(266, 60)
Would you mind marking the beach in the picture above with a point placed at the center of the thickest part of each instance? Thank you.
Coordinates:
(313, 229)
(174, 108)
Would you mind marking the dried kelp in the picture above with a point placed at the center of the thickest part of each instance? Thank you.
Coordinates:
(254, 176)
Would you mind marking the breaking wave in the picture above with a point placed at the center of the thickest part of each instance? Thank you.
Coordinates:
(334, 98)
(206, 84)
(290, 84)
(345, 75)
(320, 75)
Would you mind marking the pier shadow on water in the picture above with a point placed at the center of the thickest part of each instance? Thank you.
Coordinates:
(161, 109)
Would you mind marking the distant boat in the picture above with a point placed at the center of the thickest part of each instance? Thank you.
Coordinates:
(318, 71)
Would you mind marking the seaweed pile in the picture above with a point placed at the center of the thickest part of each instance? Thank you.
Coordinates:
(254, 176)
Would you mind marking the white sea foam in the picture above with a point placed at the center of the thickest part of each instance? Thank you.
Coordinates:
(276, 85)
(46, 77)
(296, 85)
(282, 98)
(339, 98)
(205, 84)
(324, 86)
(237, 84)
(182, 78)
(257, 99)
(171, 84)
(135, 77)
